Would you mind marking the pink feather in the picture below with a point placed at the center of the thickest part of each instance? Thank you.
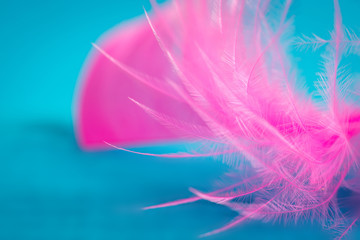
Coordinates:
(218, 72)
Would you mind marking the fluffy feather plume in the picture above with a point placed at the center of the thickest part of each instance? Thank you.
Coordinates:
(226, 80)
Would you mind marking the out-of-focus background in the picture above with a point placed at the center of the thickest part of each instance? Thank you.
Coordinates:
(51, 189)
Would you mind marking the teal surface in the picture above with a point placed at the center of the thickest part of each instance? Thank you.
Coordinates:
(50, 189)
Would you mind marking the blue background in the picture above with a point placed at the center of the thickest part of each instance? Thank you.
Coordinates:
(50, 189)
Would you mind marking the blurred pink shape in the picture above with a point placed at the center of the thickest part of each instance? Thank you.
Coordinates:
(104, 111)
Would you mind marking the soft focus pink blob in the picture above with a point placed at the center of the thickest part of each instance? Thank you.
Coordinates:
(104, 112)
